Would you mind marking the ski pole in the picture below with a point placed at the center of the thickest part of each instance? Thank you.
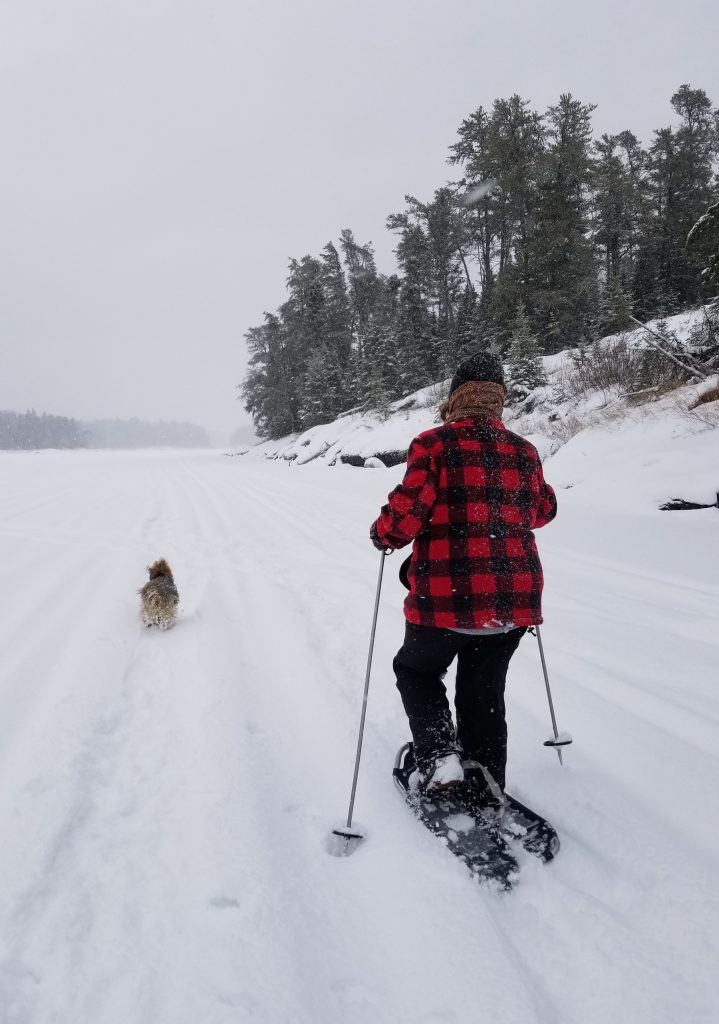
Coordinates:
(344, 841)
(561, 739)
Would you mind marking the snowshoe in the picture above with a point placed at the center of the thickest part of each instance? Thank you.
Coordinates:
(478, 822)
(464, 831)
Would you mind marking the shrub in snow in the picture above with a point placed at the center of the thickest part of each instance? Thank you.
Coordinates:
(615, 366)
(604, 366)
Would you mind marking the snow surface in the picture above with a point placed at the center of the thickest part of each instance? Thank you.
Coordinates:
(166, 797)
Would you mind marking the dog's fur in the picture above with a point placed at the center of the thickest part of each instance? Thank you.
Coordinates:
(159, 596)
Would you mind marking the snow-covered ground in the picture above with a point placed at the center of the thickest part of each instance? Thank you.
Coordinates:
(165, 796)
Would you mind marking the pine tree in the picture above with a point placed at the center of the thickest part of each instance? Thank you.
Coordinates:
(466, 335)
(362, 284)
(510, 289)
(430, 249)
(304, 314)
(681, 178)
(563, 282)
(570, 237)
(337, 312)
(379, 374)
(523, 361)
(619, 201)
(271, 390)
(416, 352)
(322, 388)
(518, 140)
(473, 151)
(337, 330)
(414, 339)
(703, 244)
(503, 147)
(635, 197)
(615, 307)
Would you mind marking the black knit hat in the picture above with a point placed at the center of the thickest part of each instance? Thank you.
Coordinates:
(480, 366)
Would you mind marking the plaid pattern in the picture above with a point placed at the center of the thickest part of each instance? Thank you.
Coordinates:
(471, 496)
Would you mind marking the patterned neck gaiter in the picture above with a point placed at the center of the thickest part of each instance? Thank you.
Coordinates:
(475, 398)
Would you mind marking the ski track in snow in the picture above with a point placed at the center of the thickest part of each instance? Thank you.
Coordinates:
(165, 796)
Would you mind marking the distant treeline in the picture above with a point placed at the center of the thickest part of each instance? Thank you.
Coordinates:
(549, 239)
(136, 433)
(29, 430)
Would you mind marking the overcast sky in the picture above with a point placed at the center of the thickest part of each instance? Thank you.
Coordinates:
(163, 159)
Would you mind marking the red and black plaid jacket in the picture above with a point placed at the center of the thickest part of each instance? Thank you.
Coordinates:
(472, 494)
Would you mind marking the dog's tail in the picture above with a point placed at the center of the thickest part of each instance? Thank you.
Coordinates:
(159, 568)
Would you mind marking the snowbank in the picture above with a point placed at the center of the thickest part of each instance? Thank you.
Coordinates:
(547, 417)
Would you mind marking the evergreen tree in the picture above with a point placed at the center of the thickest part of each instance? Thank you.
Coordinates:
(523, 360)
(431, 250)
(465, 340)
(379, 372)
(619, 201)
(703, 244)
(503, 147)
(303, 314)
(510, 289)
(635, 199)
(322, 392)
(569, 238)
(518, 141)
(473, 151)
(270, 390)
(336, 334)
(562, 275)
(615, 307)
(337, 327)
(414, 338)
(681, 177)
(416, 352)
(362, 282)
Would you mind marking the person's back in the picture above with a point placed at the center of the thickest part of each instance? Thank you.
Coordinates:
(470, 498)
(474, 563)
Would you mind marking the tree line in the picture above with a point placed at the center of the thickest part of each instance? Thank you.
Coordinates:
(30, 430)
(549, 239)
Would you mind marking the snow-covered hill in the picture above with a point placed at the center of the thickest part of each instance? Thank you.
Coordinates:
(549, 418)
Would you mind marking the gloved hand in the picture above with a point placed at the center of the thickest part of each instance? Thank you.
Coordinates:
(374, 537)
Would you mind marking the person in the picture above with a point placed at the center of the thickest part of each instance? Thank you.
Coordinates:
(472, 494)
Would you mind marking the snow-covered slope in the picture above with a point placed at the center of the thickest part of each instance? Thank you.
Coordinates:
(165, 797)
(548, 419)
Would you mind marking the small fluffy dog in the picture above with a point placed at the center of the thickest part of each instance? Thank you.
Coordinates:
(159, 596)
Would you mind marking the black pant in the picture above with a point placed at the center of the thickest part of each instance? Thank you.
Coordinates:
(482, 663)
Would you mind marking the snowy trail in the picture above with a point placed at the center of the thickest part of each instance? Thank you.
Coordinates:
(166, 796)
